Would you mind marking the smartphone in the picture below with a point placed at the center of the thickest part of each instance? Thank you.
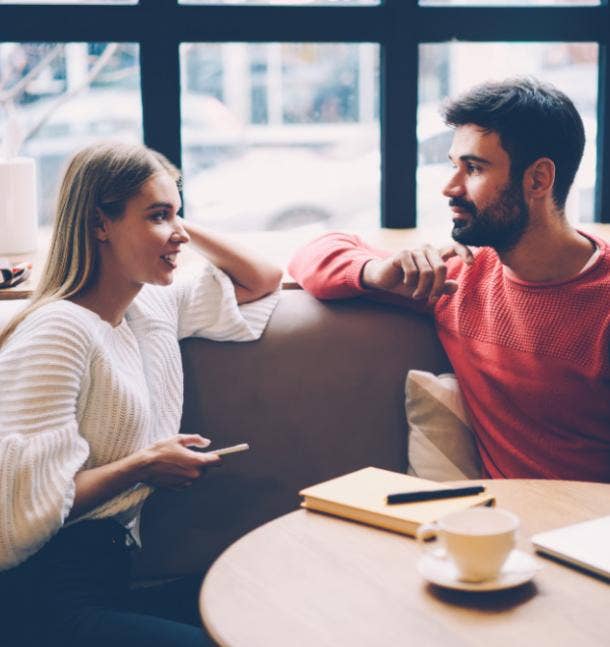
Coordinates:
(242, 447)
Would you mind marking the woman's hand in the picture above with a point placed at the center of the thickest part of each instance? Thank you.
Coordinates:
(170, 462)
(167, 463)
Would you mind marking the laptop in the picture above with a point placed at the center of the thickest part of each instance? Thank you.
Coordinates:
(585, 545)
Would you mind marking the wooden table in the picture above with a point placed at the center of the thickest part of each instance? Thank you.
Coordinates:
(307, 579)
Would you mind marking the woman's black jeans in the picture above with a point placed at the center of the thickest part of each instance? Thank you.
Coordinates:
(75, 592)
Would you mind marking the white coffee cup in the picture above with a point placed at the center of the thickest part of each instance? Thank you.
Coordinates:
(477, 540)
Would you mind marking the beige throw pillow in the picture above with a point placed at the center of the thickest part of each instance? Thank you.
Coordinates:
(442, 446)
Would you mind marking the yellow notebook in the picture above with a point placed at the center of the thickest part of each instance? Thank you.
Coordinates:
(361, 496)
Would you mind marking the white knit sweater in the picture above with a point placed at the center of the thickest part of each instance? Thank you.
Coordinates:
(76, 393)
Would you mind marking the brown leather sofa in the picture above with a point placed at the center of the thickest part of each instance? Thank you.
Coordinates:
(321, 394)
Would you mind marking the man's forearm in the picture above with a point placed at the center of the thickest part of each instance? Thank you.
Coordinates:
(368, 276)
(330, 266)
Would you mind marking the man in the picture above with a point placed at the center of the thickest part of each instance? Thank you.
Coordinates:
(526, 320)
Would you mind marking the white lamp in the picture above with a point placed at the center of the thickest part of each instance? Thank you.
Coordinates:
(18, 212)
(18, 206)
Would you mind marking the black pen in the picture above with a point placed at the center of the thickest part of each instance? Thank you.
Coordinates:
(428, 495)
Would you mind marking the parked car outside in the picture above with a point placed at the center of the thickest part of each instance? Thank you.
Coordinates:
(282, 188)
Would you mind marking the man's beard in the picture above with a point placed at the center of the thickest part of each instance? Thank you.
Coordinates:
(500, 225)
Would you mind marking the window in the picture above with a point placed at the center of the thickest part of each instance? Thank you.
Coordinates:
(318, 112)
(59, 97)
(448, 69)
(508, 3)
(323, 3)
(281, 135)
(67, 2)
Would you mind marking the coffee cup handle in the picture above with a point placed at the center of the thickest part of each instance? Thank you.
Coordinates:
(426, 531)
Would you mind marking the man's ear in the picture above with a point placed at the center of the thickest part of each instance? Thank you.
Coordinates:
(101, 226)
(539, 178)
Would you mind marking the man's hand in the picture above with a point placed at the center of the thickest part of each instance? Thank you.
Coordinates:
(417, 274)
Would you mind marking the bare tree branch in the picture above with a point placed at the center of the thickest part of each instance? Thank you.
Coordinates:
(98, 66)
(119, 75)
(18, 88)
(5, 67)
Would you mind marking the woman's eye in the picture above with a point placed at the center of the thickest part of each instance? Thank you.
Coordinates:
(159, 216)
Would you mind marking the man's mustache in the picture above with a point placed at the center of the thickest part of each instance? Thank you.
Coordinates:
(461, 203)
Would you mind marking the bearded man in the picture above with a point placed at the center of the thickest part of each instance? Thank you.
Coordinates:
(525, 321)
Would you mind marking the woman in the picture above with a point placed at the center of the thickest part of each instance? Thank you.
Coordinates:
(91, 397)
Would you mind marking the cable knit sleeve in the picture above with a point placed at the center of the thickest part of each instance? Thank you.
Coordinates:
(207, 307)
(42, 366)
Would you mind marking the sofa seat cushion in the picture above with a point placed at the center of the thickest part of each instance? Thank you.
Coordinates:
(319, 395)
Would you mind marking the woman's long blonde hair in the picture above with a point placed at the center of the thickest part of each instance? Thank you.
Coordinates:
(101, 177)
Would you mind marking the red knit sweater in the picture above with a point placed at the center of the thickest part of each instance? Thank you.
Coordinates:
(532, 359)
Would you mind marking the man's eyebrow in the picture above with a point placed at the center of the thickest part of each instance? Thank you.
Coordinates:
(471, 158)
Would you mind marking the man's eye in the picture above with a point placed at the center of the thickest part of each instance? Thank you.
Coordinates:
(473, 168)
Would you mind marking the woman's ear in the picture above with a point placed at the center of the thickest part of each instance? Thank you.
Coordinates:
(101, 226)
(539, 178)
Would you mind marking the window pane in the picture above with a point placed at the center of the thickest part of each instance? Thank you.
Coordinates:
(510, 3)
(63, 96)
(448, 69)
(67, 2)
(278, 136)
(326, 3)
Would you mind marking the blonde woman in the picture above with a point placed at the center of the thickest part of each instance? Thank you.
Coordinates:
(91, 399)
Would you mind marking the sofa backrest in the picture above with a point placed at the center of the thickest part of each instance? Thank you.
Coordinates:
(321, 394)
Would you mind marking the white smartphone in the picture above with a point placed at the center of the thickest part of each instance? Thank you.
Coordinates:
(242, 447)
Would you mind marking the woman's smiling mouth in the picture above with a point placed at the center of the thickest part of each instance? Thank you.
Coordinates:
(170, 259)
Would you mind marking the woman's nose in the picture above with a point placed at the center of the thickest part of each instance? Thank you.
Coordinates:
(180, 235)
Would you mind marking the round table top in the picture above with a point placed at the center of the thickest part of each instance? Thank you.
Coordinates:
(311, 579)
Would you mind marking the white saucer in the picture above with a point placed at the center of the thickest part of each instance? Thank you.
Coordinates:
(437, 568)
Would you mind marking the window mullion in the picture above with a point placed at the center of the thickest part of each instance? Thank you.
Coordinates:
(399, 117)
(553, 23)
(160, 74)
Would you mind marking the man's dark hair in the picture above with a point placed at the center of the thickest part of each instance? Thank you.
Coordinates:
(532, 119)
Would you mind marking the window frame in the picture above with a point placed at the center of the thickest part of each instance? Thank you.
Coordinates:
(397, 26)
